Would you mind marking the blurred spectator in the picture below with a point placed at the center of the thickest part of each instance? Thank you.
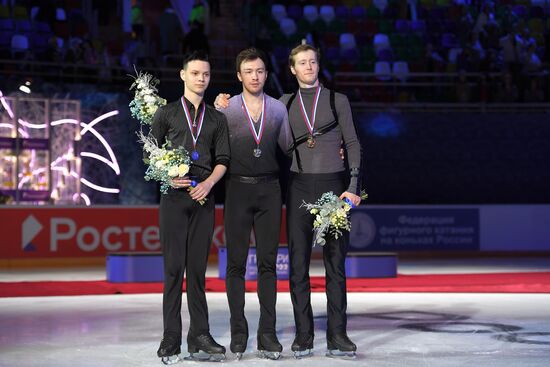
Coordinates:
(89, 55)
(491, 37)
(137, 19)
(433, 61)
(476, 45)
(512, 49)
(546, 57)
(170, 32)
(507, 20)
(468, 60)
(403, 9)
(105, 73)
(535, 93)
(197, 14)
(532, 61)
(214, 7)
(462, 88)
(54, 52)
(195, 39)
(506, 91)
(484, 17)
(483, 88)
(74, 54)
(490, 63)
(263, 40)
(466, 23)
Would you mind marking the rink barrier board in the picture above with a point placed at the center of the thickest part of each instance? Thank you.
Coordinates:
(148, 267)
(49, 235)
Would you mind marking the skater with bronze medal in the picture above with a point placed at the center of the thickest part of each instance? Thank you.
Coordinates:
(317, 168)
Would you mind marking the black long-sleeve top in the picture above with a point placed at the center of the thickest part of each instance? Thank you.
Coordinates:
(169, 123)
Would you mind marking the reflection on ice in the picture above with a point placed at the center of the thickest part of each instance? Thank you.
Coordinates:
(390, 329)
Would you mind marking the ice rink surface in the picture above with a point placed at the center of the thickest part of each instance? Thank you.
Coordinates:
(390, 329)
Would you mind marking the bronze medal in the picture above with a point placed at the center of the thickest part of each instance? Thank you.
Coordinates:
(311, 142)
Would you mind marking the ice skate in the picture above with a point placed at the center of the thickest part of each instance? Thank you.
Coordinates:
(340, 346)
(269, 346)
(238, 345)
(302, 346)
(169, 350)
(204, 348)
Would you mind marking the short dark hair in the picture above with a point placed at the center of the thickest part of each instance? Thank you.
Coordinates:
(300, 48)
(194, 56)
(250, 54)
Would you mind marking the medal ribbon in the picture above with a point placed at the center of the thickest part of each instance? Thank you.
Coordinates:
(198, 127)
(310, 123)
(257, 135)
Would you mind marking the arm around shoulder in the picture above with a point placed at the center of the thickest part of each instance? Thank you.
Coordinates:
(222, 154)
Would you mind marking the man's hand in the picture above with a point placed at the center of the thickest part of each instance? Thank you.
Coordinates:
(355, 200)
(181, 182)
(222, 101)
(201, 191)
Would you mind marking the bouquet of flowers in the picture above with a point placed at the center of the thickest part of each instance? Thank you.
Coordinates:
(331, 216)
(146, 100)
(165, 163)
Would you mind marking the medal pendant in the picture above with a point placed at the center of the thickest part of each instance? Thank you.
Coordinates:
(257, 153)
(310, 142)
(194, 155)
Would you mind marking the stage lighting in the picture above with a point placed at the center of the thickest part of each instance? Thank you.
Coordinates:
(25, 89)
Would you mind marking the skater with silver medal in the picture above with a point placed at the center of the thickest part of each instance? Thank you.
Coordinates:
(253, 199)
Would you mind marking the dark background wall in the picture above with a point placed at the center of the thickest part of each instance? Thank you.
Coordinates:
(462, 158)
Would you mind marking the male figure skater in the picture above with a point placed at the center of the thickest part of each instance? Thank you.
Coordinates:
(186, 226)
(258, 124)
(320, 120)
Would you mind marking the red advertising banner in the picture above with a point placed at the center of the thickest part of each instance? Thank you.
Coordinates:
(49, 232)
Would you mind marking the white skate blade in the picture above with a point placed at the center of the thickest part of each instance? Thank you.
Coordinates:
(205, 357)
(303, 353)
(269, 355)
(239, 356)
(335, 353)
(171, 359)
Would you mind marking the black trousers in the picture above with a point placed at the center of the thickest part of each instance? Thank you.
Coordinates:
(250, 205)
(186, 229)
(310, 187)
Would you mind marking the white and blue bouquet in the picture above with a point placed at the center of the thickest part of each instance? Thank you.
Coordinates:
(164, 163)
(331, 216)
(146, 100)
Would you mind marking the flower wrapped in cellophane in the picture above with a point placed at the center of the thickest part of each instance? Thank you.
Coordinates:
(146, 100)
(164, 163)
(331, 216)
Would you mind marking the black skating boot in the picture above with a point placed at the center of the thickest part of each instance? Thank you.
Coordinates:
(238, 344)
(302, 345)
(211, 351)
(169, 350)
(339, 345)
(269, 346)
